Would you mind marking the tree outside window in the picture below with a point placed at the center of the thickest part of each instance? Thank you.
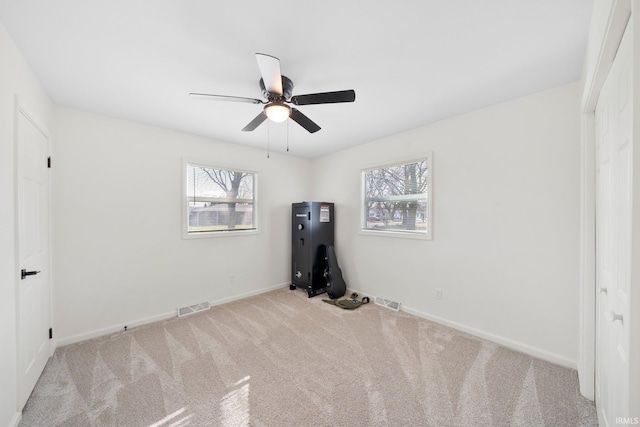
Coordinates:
(396, 197)
(219, 200)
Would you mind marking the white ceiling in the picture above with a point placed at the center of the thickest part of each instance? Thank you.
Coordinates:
(411, 62)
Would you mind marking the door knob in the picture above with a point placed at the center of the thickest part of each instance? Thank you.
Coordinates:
(24, 273)
(615, 316)
(602, 290)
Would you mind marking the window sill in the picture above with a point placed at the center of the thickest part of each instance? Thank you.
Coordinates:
(397, 234)
(216, 234)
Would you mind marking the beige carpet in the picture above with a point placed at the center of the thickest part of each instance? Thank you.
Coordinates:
(281, 359)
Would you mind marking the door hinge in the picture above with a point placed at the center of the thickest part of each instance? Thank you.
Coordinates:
(50, 333)
(49, 162)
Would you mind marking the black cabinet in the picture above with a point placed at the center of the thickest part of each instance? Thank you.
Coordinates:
(312, 233)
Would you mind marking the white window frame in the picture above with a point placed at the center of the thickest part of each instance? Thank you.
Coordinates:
(407, 234)
(221, 233)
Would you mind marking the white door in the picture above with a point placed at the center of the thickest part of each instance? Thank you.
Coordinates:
(33, 292)
(614, 149)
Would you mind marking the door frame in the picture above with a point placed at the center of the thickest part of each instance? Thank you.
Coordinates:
(615, 15)
(21, 107)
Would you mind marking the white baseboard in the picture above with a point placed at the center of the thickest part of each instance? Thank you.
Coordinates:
(506, 342)
(156, 318)
(17, 417)
(113, 329)
(248, 294)
(514, 345)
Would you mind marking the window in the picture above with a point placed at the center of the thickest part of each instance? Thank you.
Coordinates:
(219, 201)
(397, 199)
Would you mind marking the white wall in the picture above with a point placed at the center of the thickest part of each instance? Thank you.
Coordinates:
(15, 79)
(506, 237)
(118, 250)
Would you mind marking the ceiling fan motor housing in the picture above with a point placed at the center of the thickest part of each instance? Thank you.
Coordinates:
(287, 90)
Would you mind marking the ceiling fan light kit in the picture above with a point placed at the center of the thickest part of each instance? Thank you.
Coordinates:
(277, 89)
(277, 112)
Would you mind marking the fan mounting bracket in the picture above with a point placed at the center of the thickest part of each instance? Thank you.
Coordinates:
(287, 90)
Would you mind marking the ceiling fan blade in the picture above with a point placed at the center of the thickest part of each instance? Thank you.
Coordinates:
(304, 121)
(226, 98)
(270, 71)
(325, 97)
(255, 122)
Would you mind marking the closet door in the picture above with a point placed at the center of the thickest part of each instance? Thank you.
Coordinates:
(614, 174)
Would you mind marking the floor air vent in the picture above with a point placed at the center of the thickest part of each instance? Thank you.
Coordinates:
(388, 303)
(185, 311)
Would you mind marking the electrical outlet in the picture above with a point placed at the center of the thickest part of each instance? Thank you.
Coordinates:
(232, 278)
(438, 293)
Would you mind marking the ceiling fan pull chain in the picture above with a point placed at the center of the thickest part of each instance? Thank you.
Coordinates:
(268, 138)
(287, 136)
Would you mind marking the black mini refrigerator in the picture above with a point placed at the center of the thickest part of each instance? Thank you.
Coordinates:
(311, 234)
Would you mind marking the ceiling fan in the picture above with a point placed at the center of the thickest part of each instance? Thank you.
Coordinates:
(277, 89)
